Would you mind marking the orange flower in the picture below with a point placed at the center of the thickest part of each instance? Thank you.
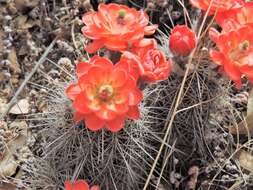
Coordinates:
(217, 5)
(105, 95)
(235, 18)
(235, 53)
(182, 40)
(115, 27)
(151, 63)
(79, 185)
(155, 66)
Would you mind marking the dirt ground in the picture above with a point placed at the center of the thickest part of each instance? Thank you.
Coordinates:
(40, 44)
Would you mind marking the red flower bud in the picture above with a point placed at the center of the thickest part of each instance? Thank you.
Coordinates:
(182, 40)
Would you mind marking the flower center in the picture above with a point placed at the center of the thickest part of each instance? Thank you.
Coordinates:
(244, 46)
(121, 16)
(239, 54)
(122, 13)
(105, 92)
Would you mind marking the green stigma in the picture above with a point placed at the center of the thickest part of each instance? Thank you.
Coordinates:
(122, 13)
(245, 45)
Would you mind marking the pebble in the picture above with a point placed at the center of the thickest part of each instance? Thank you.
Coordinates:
(7, 75)
(7, 17)
(7, 29)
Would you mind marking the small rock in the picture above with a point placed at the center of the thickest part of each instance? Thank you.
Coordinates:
(14, 66)
(3, 106)
(7, 17)
(22, 107)
(7, 29)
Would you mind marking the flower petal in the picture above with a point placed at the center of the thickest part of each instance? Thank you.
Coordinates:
(149, 30)
(101, 61)
(217, 57)
(94, 105)
(233, 72)
(78, 117)
(68, 185)
(80, 103)
(121, 97)
(146, 42)
(116, 124)
(73, 90)
(105, 114)
(87, 18)
(116, 44)
(119, 78)
(135, 97)
(77, 185)
(80, 184)
(93, 123)
(94, 46)
(96, 187)
(82, 68)
(133, 113)
(130, 63)
(118, 108)
(247, 70)
(98, 75)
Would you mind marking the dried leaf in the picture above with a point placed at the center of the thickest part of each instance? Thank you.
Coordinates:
(1, 41)
(3, 105)
(12, 57)
(8, 164)
(20, 21)
(246, 126)
(22, 107)
(22, 4)
(250, 103)
(31, 23)
(246, 160)
(19, 126)
(7, 186)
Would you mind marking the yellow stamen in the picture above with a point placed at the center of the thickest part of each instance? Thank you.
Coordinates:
(105, 92)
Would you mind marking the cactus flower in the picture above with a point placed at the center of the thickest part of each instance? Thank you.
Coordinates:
(218, 6)
(105, 95)
(235, 53)
(116, 27)
(182, 40)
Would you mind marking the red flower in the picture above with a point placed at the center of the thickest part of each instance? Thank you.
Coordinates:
(79, 185)
(105, 95)
(217, 5)
(236, 18)
(235, 53)
(115, 27)
(182, 40)
(150, 62)
(155, 66)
